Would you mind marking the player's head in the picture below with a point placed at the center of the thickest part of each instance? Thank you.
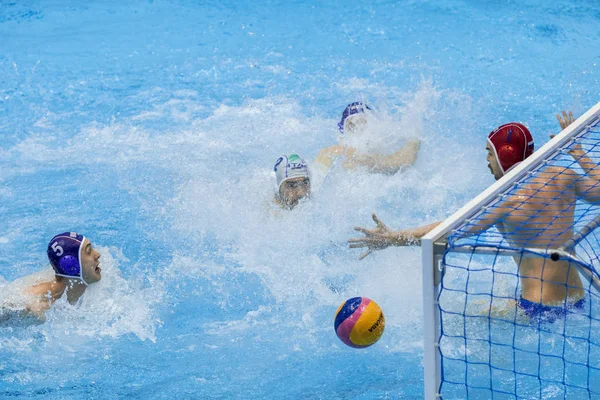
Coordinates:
(507, 146)
(354, 118)
(72, 256)
(293, 179)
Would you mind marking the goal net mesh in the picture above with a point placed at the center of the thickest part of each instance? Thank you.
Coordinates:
(494, 343)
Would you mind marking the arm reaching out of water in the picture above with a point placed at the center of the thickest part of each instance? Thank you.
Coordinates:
(373, 162)
(382, 237)
(328, 155)
(587, 188)
(386, 164)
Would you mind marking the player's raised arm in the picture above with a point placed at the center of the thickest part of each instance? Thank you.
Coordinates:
(389, 164)
(588, 187)
(327, 156)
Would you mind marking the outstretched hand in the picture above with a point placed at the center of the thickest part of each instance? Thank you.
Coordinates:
(375, 239)
(565, 120)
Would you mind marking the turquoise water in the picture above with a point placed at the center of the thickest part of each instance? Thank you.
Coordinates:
(152, 128)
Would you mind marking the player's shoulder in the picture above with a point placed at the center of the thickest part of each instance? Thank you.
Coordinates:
(546, 182)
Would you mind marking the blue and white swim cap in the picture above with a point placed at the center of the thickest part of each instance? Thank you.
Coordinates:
(357, 107)
(64, 253)
(288, 167)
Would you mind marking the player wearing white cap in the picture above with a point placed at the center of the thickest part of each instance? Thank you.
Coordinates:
(293, 181)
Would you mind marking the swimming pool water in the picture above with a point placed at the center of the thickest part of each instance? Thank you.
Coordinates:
(152, 127)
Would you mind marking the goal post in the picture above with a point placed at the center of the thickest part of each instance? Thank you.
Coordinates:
(456, 273)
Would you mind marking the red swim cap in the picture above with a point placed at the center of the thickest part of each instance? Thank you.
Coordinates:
(512, 143)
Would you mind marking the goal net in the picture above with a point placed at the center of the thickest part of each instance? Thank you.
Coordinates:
(511, 284)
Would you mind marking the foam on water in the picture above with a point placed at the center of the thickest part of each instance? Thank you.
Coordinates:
(301, 256)
(220, 210)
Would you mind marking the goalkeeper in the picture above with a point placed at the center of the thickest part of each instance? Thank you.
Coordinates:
(533, 217)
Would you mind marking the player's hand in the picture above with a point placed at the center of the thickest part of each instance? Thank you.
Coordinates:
(565, 120)
(375, 239)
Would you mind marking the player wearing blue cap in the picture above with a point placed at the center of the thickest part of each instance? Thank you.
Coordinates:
(355, 120)
(76, 265)
(293, 180)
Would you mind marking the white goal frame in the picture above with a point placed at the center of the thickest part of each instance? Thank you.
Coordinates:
(434, 243)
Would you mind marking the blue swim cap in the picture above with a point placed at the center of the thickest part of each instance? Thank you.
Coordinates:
(64, 253)
(357, 107)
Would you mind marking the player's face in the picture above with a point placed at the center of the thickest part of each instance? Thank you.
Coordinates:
(293, 190)
(493, 163)
(355, 124)
(90, 263)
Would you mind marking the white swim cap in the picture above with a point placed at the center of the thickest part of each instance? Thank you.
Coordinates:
(288, 167)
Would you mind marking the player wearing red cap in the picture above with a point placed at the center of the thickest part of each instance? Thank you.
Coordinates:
(510, 144)
(530, 217)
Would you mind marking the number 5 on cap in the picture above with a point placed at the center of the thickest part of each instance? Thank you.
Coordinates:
(57, 249)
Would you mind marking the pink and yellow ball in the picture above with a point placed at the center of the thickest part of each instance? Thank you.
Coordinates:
(359, 322)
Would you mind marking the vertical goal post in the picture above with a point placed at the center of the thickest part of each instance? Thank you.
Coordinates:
(434, 244)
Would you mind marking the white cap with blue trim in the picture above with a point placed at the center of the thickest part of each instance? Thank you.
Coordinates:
(288, 167)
